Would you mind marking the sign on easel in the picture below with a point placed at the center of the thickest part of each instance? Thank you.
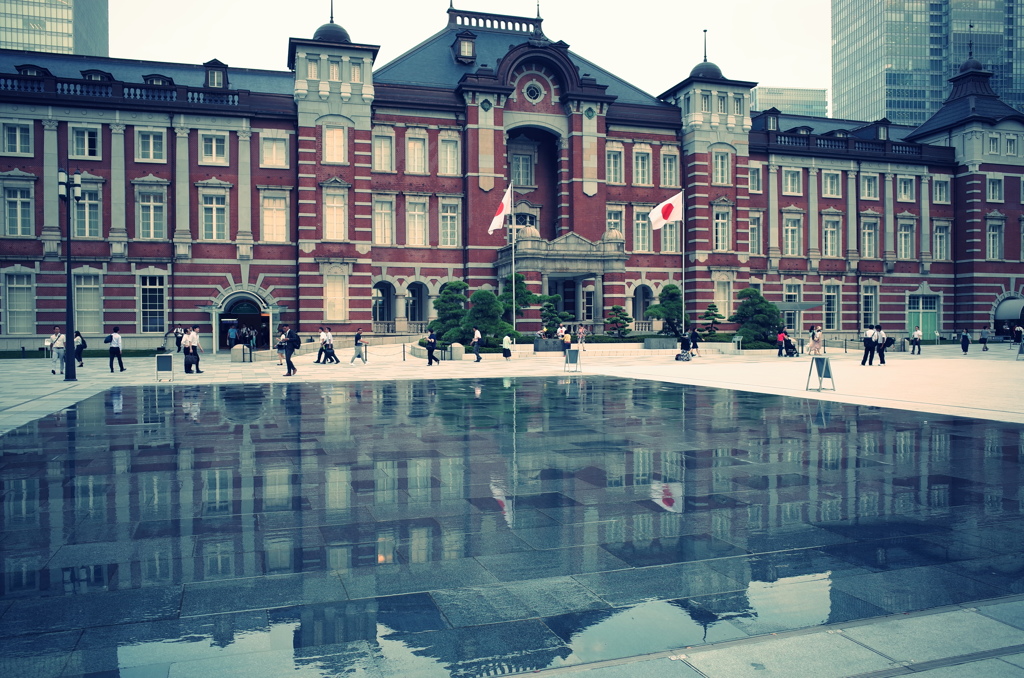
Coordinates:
(821, 367)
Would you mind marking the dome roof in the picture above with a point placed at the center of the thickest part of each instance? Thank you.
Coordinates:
(613, 234)
(528, 232)
(331, 32)
(972, 64)
(706, 69)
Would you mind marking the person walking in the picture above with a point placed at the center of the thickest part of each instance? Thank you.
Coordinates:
(581, 337)
(915, 340)
(506, 347)
(115, 348)
(329, 355)
(360, 351)
(476, 344)
(233, 335)
(192, 348)
(57, 343)
(695, 342)
(566, 342)
(291, 343)
(984, 338)
(780, 341)
(179, 334)
(880, 340)
(814, 347)
(323, 346)
(869, 346)
(965, 341)
(431, 347)
(282, 342)
(80, 346)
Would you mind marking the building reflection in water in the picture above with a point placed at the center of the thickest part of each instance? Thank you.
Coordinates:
(486, 527)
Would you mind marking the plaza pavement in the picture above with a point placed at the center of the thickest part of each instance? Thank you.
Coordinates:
(979, 640)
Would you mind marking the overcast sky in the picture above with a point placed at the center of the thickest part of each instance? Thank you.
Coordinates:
(650, 43)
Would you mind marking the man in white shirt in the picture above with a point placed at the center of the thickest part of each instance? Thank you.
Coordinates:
(476, 343)
(115, 348)
(915, 341)
(57, 343)
(323, 346)
(329, 355)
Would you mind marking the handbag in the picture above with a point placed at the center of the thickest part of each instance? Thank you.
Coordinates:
(191, 359)
(84, 345)
(109, 338)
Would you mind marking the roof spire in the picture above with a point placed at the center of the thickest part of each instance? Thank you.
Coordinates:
(970, 42)
(332, 11)
(538, 9)
(705, 43)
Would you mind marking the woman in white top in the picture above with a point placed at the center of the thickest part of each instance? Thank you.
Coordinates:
(57, 343)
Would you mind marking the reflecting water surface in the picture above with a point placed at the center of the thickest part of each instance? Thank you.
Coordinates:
(478, 528)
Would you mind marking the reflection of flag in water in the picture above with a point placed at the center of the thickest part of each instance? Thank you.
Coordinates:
(498, 492)
(668, 496)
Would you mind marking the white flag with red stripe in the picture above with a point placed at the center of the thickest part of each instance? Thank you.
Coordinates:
(503, 209)
(670, 210)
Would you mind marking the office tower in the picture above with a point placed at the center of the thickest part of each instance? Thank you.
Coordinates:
(791, 100)
(893, 59)
(62, 26)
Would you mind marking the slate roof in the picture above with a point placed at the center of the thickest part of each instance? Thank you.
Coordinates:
(817, 125)
(971, 100)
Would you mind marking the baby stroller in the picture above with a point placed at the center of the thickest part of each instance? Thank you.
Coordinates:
(684, 347)
(790, 348)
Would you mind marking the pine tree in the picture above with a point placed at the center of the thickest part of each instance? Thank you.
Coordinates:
(669, 310)
(451, 309)
(759, 319)
(485, 314)
(617, 322)
(710, 317)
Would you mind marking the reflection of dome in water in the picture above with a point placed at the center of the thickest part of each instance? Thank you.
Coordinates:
(332, 32)
(240, 404)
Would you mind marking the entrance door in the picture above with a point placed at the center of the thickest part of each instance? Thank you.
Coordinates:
(248, 317)
(923, 311)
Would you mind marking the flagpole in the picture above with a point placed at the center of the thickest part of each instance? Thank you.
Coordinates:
(512, 226)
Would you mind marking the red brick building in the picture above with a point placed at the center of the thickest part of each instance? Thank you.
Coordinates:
(336, 193)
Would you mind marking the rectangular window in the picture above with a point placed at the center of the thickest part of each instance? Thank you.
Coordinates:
(355, 71)
(670, 237)
(722, 237)
(940, 242)
(17, 138)
(905, 241)
(641, 168)
(705, 103)
(869, 186)
(722, 104)
(905, 189)
(87, 215)
(830, 233)
(88, 304)
(152, 306)
(869, 239)
(831, 186)
(792, 182)
(522, 169)
(383, 221)
(993, 145)
(383, 153)
(791, 295)
(85, 143)
(613, 220)
(831, 310)
(449, 225)
(995, 189)
(994, 240)
(215, 217)
(792, 228)
(755, 180)
(940, 191)
(149, 146)
(416, 155)
(275, 152)
(334, 144)
(737, 106)
(334, 297)
(334, 71)
(152, 224)
(613, 166)
(723, 297)
(215, 78)
(19, 304)
(335, 214)
(754, 234)
(18, 211)
(213, 149)
(1011, 145)
(313, 68)
(669, 169)
(274, 218)
(641, 231)
(416, 223)
(448, 157)
(868, 306)
(721, 174)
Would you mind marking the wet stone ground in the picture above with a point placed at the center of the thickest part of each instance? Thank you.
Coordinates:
(472, 528)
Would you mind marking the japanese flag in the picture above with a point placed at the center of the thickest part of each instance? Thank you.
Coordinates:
(670, 210)
(503, 209)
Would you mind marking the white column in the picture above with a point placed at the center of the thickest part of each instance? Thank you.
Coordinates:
(244, 239)
(774, 252)
(890, 219)
(852, 216)
(52, 227)
(182, 232)
(813, 218)
(118, 231)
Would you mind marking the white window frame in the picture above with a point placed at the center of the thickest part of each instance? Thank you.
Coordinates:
(335, 211)
(274, 150)
(215, 78)
(831, 236)
(220, 203)
(721, 230)
(90, 207)
(755, 183)
(25, 207)
(993, 144)
(150, 145)
(384, 150)
(449, 158)
(941, 191)
(523, 169)
(144, 283)
(335, 296)
(417, 220)
(995, 243)
(994, 191)
(831, 296)
(82, 132)
(792, 181)
(384, 220)
(274, 215)
(906, 189)
(670, 237)
(355, 70)
(868, 305)
(721, 168)
(614, 171)
(24, 138)
(831, 184)
(792, 235)
(335, 145)
(156, 188)
(641, 230)
(88, 301)
(869, 227)
(905, 245)
(312, 67)
(334, 70)
(213, 158)
(941, 240)
(614, 218)
(417, 152)
(669, 168)
(755, 233)
(869, 186)
(19, 307)
(1011, 145)
(643, 174)
(723, 297)
(449, 222)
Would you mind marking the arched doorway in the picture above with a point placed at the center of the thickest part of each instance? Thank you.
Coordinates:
(384, 307)
(252, 320)
(643, 297)
(1009, 314)
(416, 309)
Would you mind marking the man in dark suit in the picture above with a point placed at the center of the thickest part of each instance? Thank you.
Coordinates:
(292, 342)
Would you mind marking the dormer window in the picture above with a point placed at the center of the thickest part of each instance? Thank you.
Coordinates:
(883, 133)
(465, 47)
(97, 76)
(216, 74)
(215, 78)
(32, 70)
(157, 80)
(773, 123)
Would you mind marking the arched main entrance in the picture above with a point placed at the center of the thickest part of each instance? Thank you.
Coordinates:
(251, 319)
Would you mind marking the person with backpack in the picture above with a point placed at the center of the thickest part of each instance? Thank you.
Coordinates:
(292, 344)
(881, 343)
(80, 345)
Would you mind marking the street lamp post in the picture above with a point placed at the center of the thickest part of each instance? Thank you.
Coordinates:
(68, 188)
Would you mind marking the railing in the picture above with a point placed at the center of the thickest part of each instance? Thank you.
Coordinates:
(785, 140)
(872, 146)
(643, 326)
(85, 89)
(151, 93)
(837, 144)
(212, 98)
(418, 327)
(384, 327)
(10, 84)
(904, 149)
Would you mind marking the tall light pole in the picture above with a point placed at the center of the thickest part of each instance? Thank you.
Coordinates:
(69, 187)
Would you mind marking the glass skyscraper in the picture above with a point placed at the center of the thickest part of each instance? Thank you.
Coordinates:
(791, 100)
(61, 26)
(893, 58)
